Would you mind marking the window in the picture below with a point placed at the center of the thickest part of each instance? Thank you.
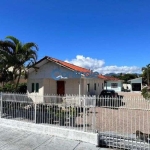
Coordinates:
(88, 87)
(37, 87)
(114, 85)
(95, 86)
(32, 88)
(102, 86)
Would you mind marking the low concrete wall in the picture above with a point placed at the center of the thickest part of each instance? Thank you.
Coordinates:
(50, 130)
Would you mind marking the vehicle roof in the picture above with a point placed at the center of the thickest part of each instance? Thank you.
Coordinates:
(109, 90)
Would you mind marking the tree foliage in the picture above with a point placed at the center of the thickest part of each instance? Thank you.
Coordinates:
(146, 74)
(146, 92)
(18, 56)
(126, 77)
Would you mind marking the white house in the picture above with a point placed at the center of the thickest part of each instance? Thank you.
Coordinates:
(136, 84)
(53, 76)
(112, 83)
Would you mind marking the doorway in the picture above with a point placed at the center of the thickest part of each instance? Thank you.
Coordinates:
(60, 87)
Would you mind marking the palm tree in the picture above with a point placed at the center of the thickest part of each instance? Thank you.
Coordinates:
(17, 55)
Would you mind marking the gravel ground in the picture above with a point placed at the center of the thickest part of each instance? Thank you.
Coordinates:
(133, 115)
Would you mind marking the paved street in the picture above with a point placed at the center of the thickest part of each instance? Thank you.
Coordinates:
(14, 139)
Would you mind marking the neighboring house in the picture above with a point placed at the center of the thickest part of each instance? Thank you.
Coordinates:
(136, 84)
(112, 83)
(53, 76)
(127, 87)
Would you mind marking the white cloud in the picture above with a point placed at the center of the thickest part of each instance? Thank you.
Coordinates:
(87, 62)
(99, 65)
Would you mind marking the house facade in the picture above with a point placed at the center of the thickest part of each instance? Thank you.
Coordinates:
(53, 76)
(136, 84)
(112, 83)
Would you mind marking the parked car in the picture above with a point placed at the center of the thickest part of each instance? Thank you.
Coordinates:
(109, 98)
(109, 93)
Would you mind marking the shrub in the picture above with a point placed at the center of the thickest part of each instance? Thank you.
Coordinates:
(22, 88)
(146, 92)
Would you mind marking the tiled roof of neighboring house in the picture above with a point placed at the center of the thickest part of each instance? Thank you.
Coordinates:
(69, 66)
(112, 78)
(103, 77)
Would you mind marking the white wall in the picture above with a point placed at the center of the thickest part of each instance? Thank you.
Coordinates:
(118, 89)
(72, 86)
(50, 86)
(43, 72)
(99, 86)
(35, 96)
(29, 85)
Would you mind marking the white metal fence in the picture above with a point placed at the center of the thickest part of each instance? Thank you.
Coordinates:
(70, 111)
(120, 119)
(117, 120)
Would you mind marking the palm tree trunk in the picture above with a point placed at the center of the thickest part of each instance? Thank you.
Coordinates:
(18, 79)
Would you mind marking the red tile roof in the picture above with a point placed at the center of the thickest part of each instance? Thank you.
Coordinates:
(68, 65)
(112, 78)
(75, 68)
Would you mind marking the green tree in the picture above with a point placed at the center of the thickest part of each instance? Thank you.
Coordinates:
(146, 73)
(127, 77)
(19, 56)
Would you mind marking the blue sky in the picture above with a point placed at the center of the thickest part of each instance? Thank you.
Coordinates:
(112, 35)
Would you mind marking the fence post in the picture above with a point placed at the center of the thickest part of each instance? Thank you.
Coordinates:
(94, 113)
(84, 114)
(35, 108)
(35, 112)
(1, 104)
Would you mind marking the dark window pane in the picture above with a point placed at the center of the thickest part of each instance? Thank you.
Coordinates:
(88, 87)
(37, 87)
(32, 90)
(95, 86)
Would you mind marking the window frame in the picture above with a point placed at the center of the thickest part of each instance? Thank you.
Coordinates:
(114, 85)
(35, 87)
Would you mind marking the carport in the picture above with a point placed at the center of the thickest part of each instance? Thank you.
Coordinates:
(136, 84)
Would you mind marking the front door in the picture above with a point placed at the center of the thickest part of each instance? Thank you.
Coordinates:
(60, 87)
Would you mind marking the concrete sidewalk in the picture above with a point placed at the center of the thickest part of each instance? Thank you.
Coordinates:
(14, 139)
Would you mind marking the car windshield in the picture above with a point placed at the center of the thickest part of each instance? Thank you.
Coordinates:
(108, 92)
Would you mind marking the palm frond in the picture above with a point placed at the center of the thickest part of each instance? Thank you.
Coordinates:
(30, 45)
(13, 39)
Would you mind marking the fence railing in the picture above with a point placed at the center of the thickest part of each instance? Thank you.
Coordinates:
(70, 111)
(124, 122)
(117, 120)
